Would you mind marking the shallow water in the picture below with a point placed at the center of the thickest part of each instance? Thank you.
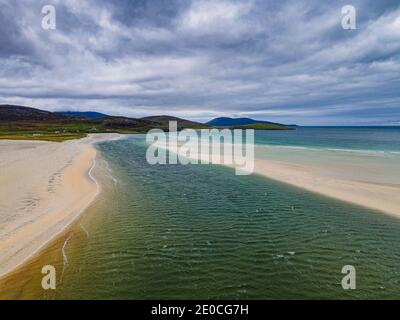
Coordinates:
(199, 232)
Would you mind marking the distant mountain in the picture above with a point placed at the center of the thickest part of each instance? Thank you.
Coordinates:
(20, 113)
(17, 122)
(86, 114)
(231, 122)
(182, 123)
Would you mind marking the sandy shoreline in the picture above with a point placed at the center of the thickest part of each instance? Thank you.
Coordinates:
(45, 187)
(377, 195)
(382, 197)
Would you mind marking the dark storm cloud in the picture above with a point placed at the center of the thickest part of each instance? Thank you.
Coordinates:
(287, 61)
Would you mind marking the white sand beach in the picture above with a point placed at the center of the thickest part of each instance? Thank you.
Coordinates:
(45, 186)
(379, 196)
(335, 181)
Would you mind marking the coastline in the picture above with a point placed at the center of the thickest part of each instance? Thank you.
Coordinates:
(376, 195)
(61, 186)
(46, 188)
(105, 242)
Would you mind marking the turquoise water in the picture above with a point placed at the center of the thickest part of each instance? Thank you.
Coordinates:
(200, 232)
(345, 138)
(370, 154)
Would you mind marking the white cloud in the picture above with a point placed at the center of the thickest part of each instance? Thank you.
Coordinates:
(257, 58)
(216, 17)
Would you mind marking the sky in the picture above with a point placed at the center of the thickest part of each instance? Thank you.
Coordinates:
(283, 61)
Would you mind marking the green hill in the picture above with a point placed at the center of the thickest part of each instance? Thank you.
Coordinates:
(23, 123)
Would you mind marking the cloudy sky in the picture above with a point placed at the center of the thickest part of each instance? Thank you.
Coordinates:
(287, 61)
